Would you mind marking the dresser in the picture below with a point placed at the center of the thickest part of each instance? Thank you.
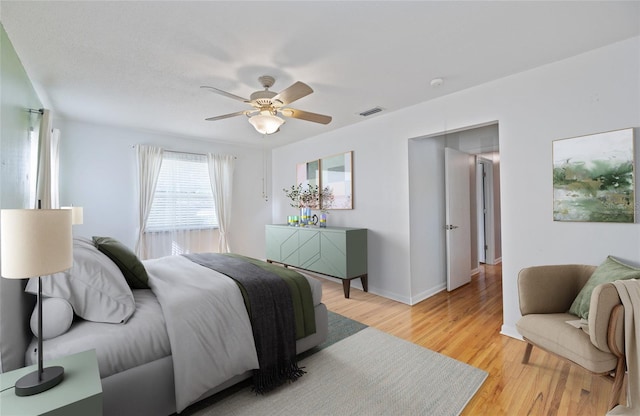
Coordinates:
(79, 393)
(339, 252)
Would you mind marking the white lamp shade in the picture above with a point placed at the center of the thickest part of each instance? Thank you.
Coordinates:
(266, 124)
(77, 215)
(35, 242)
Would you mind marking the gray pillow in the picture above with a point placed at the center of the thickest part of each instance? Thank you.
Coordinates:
(609, 271)
(94, 286)
(57, 317)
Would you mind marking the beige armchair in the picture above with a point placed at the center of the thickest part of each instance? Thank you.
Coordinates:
(546, 294)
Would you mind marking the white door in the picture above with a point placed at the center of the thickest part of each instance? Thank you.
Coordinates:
(458, 221)
(481, 212)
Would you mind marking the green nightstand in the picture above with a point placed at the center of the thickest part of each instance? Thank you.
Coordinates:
(79, 393)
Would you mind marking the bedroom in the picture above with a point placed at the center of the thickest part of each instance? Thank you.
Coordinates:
(594, 91)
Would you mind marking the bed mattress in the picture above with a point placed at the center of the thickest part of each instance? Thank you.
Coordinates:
(119, 347)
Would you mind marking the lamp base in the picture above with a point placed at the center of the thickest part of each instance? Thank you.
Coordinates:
(32, 384)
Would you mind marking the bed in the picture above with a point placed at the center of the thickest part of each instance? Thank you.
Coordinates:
(170, 332)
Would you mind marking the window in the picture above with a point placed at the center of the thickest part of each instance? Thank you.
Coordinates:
(183, 199)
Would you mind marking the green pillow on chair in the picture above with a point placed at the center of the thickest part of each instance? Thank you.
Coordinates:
(609, 271)
(126, 260)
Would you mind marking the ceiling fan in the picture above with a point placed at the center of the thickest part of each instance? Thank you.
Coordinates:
(267, 105)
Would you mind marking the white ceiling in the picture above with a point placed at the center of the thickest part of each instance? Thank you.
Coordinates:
(140, 64)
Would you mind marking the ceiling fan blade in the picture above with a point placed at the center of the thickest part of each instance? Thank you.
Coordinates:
(237, 113)
(306, 115)
(226, 94)
(289, 95)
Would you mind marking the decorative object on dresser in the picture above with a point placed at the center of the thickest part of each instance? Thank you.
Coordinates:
(36, 242)
(333, 251)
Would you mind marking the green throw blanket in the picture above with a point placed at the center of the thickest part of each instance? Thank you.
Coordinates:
(300, 294)
(281, 310)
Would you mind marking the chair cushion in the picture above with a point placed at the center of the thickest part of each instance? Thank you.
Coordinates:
(552, 333)
(609, 271)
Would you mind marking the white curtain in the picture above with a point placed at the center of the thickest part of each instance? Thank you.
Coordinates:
(48, 164)
(179, 241)
(149, 163)
(221, 174)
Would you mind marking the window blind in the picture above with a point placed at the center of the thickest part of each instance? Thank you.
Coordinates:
(183, 199)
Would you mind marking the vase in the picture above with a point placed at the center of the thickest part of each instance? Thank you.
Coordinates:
(305, 216)
(323, 220)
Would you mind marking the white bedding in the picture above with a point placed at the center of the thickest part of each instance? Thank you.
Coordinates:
(207, 322)
(203, 361)
(118, 346)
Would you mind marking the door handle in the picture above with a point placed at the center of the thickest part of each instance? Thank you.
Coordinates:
(450, 227)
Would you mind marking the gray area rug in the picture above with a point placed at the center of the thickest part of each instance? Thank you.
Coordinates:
(368, 373)
(340, 327)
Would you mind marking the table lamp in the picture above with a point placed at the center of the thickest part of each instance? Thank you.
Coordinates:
(77, 214)
(36, 242)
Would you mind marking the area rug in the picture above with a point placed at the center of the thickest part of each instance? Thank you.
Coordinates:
(368, 373)
(340, 327)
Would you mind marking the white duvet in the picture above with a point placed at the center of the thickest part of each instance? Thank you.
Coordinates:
(207, 323)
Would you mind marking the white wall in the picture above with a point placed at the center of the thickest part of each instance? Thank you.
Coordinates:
(427, 217)
(98, 172)
(593, 92)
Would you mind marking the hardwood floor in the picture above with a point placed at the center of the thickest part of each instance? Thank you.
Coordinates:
(465, 325)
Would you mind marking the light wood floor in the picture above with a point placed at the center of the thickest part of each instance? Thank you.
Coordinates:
(465, 325)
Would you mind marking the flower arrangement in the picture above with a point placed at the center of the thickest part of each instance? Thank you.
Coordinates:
(309, 196)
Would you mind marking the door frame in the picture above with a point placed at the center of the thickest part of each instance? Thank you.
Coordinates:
(489, 217)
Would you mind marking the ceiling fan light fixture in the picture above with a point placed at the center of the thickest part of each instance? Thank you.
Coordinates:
(266, 124)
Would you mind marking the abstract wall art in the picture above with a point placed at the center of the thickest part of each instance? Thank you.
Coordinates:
(593, 178)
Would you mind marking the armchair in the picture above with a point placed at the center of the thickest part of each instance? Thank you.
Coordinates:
(546, 294)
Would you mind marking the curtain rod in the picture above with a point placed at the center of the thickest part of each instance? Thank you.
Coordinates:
(180, 151)
(34, 111)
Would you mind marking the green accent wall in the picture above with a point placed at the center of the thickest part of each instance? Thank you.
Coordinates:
(16, 95)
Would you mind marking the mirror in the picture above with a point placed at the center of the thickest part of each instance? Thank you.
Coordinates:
(337, 176)
(308, 173)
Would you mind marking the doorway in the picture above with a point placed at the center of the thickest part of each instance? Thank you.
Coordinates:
(486, 205)
(427, 211)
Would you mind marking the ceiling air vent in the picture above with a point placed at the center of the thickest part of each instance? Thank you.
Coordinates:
(372, 111)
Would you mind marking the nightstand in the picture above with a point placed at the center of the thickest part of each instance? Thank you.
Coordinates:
(79, 393)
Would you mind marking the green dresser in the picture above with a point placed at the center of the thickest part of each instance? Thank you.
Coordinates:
(79, 393)
(334, 251)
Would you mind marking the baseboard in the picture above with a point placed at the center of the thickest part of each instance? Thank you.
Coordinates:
(510, 331)
(357, 284)
(427, 294)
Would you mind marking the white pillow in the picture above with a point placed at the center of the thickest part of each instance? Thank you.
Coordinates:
(57, 317)
(94, 286)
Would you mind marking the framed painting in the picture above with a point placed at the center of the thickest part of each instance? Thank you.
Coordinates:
(593, 178)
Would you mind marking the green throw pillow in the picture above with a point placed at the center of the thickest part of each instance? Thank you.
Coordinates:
(609, 271)
(131, 267)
